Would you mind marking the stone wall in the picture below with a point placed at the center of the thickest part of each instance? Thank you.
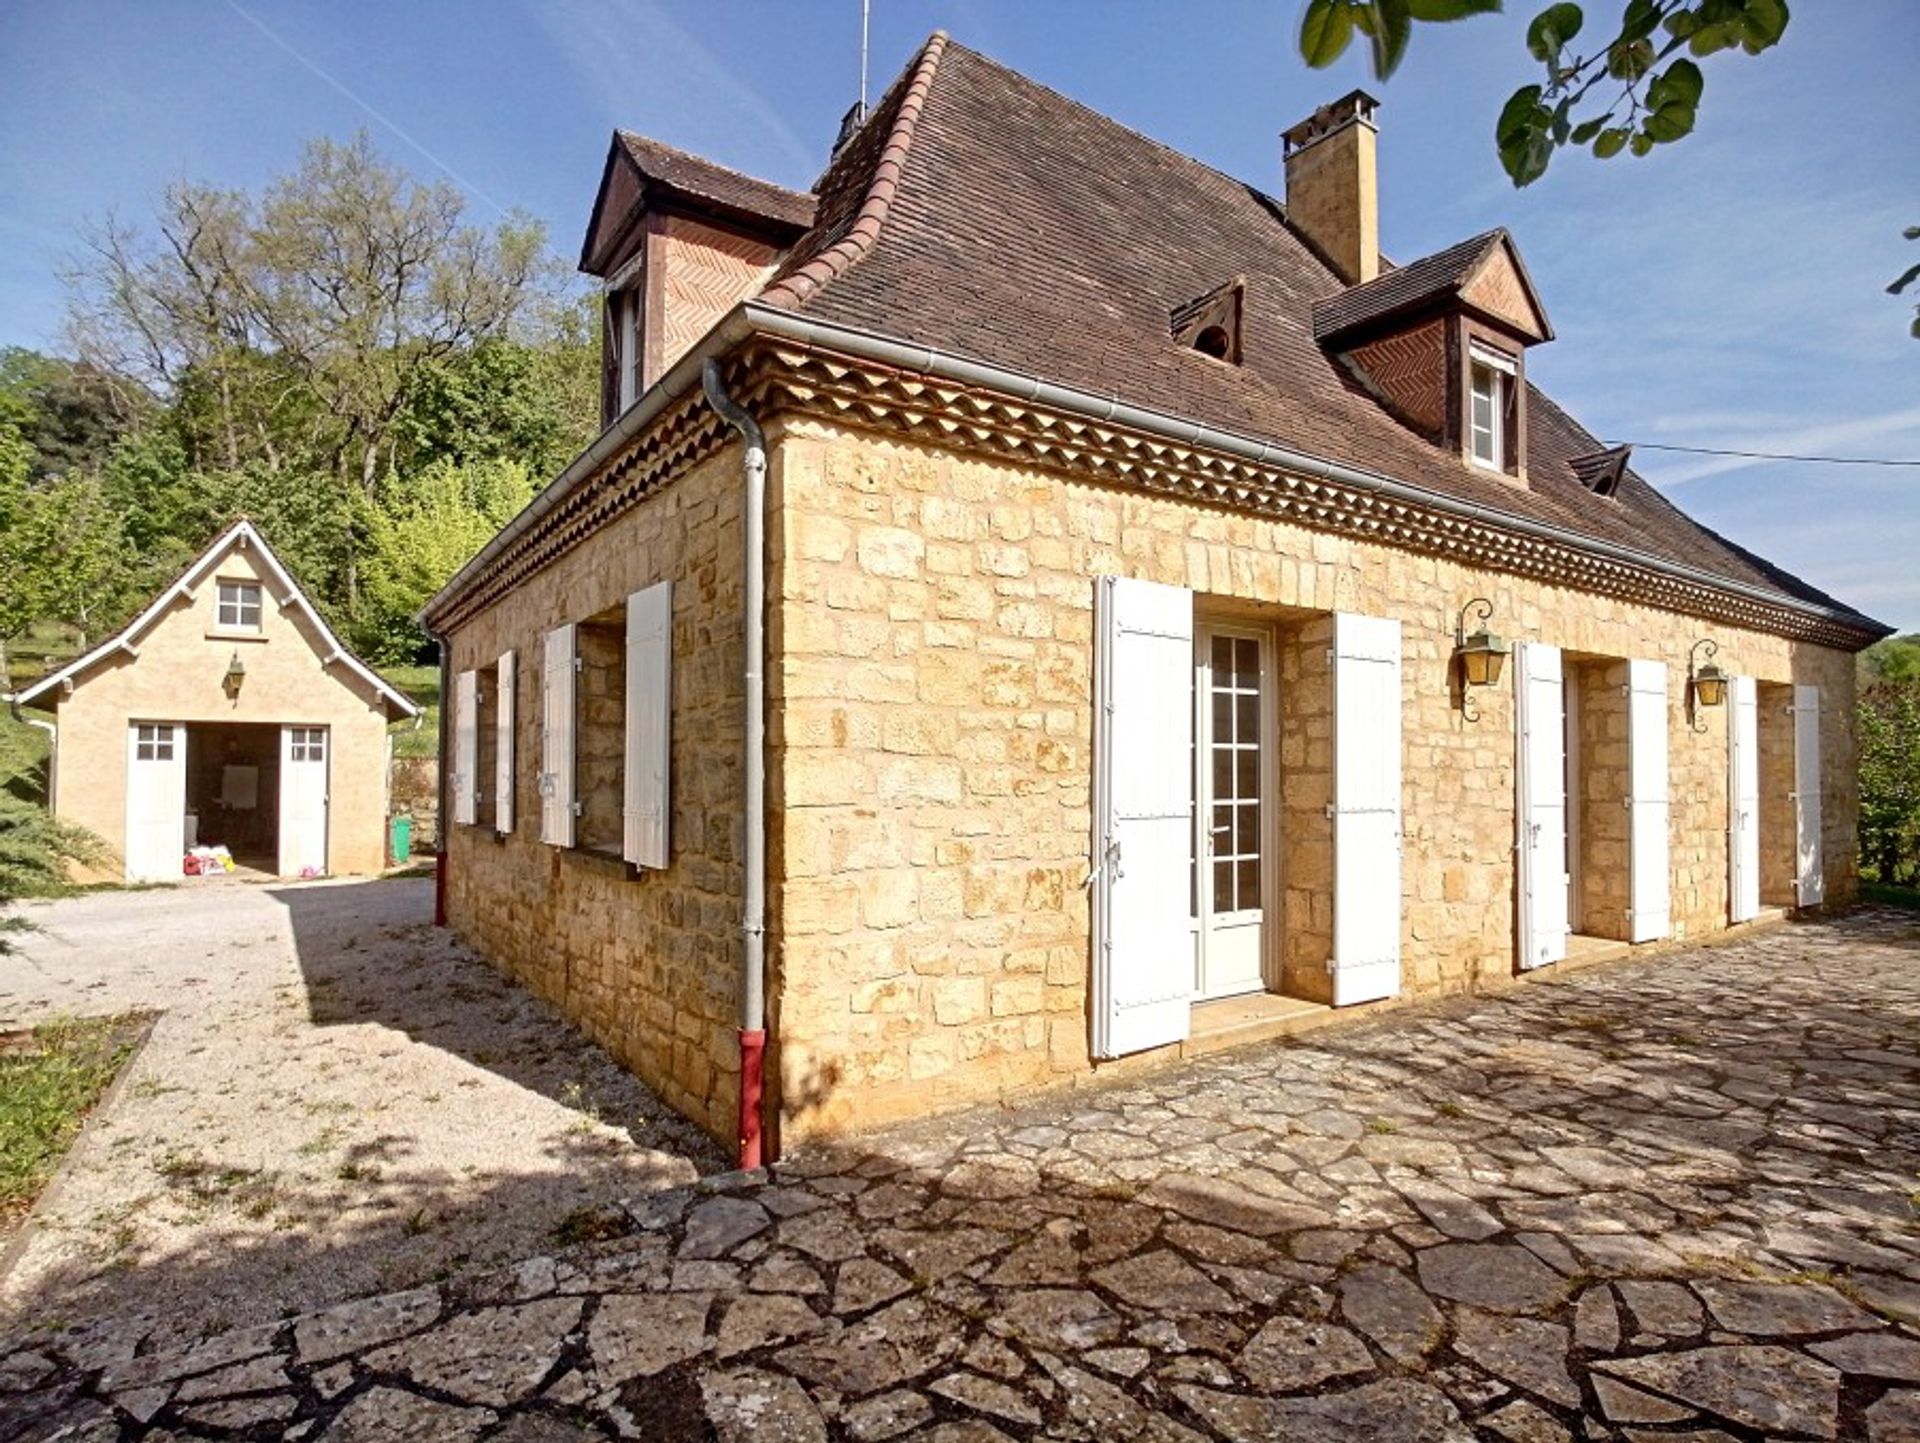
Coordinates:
(1602, 823)
(1779, 829)
(646, 963)
(931, 739)
(1305, 708)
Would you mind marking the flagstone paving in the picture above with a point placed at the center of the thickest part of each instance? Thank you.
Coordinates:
(1671, 1200)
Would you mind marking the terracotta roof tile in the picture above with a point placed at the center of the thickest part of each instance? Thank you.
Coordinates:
(994, 219)
(1404, 288)
(695, 176)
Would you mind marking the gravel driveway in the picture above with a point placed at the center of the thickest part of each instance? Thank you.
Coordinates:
(337, 1100)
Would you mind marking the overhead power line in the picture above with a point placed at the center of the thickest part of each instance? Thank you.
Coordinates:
(1771, 455)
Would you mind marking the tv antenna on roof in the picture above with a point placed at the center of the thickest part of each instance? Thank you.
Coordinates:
(850, 122)
(866, 14)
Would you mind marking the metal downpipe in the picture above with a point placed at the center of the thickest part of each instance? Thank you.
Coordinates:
(753, 911)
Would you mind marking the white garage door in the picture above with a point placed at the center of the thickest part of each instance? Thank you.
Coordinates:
(303, 801)
(156, 801)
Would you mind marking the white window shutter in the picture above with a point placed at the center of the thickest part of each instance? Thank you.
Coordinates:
(556, 737)
(1810, 868)
(1142, 816)
(1366, 808)
(1651, 906)
(466, 747)
(506, 690)
(1540, 702)
(1743, 800)
(645, 807)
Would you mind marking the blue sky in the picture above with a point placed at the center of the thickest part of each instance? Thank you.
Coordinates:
(1726, 292)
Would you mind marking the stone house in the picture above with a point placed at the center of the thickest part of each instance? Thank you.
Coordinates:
(225, 713)
(1130, 542)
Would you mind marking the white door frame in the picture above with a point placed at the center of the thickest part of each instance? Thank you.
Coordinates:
(1205, 630)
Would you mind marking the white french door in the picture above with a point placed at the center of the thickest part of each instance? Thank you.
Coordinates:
(1233, 712)
(156, 801)
(303, 801)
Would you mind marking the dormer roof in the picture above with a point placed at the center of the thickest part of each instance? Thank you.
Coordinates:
(1483, 273)
(643, 173)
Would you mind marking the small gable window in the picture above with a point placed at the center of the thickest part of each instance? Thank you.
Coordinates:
(239, 606)
(1491, 377)
(1210, 324)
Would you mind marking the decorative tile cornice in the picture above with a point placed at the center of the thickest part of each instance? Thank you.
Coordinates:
(777, 380)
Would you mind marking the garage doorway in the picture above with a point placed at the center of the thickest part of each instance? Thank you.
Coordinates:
(258, 789)
(233, 789)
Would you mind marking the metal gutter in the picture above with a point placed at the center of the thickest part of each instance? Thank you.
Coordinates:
(753, 908)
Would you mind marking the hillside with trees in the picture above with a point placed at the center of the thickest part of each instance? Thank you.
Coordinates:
(347, 356)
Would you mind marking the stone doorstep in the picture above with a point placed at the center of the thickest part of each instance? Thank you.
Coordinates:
(1256, 1017)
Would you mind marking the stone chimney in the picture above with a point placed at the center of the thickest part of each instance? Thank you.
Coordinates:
(1333, 192)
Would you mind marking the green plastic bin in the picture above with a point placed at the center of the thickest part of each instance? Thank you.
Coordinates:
(402, 840)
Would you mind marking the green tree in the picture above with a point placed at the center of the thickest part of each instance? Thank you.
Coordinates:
(1632, 87)
(35, 851)
(1894, 659)
(1890, 780)
(429, 532)
(292, 331)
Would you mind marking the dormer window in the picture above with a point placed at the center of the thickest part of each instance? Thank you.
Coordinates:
(237, 606)
(1210, 324)
(1492, 378)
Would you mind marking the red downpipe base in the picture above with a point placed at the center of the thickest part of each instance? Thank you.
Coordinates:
(753, 1062)
(440, 888)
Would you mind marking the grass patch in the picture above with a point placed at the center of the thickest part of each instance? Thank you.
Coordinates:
(50, 1079)
(421, 686)
(1887, 895)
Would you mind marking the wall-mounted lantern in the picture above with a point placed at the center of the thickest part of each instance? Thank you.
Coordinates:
(1480, 656)
(236, 674)
(1706, 684)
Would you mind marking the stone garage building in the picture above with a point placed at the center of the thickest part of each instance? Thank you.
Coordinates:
(1130, 541)
(226, 712)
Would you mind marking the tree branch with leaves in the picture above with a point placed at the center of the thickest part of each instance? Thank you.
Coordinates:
(1632, 90)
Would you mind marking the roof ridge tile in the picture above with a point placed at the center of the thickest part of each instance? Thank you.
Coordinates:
(793, 290)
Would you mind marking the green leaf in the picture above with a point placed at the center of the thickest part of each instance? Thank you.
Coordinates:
(1552, 28)
(1587, 129)
(1641, 144)
(1610, 143)
(1440, 10)
(1763, 22)
(1522, 114)
(1562, 127)
(1682, 23)
(1325, 32)
(1640, 21)
(1912, 274)
(1629, 61)
(1682, 80)
(1392, 29)
(1670, 122)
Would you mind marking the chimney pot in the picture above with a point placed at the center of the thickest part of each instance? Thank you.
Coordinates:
(1333, 183)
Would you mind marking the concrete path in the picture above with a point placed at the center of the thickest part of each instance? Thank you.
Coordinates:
(337, 1099)
(1673, 1199)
